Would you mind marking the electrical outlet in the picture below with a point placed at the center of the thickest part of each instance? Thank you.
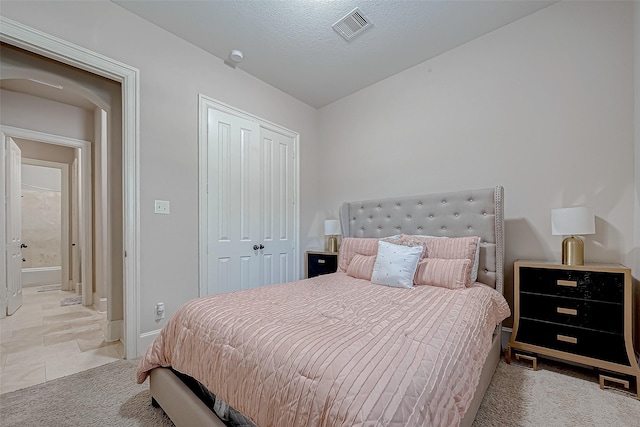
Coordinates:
(160, 311)
(161, 207)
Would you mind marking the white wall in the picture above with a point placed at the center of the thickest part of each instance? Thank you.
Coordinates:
(172, 74)
(542, 106)
(38, 114)
(41, 177)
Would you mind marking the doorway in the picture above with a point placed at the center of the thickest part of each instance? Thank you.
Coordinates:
(23, 37)
(45, 223)
(76, 154)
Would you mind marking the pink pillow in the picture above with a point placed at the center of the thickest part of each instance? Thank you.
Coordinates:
(446, 273)
(355, 245)
(449, 248)
(446, 247)
(361, 266)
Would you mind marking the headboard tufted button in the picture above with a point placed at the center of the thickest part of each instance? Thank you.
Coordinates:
(469, 227)
(471, 199)
(397, 205)
(419, 203)
(408, 216)
(419, 228)
(443, 228)
(484, 213)
(444, 201)
(456, 214)
(379, 207)
(430, 215)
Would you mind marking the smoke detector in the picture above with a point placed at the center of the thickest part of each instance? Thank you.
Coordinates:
(352, 24)
(235, 56)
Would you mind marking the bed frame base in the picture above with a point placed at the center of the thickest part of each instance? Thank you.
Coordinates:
(179, 403)
(186, 409)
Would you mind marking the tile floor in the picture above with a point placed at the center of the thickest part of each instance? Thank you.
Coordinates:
(43, 341)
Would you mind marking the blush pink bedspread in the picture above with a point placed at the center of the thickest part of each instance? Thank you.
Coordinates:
(335, 351)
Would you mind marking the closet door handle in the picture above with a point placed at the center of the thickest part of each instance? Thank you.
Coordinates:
(256, 247)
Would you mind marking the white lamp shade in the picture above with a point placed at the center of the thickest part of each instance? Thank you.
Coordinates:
(331, 227)
(576, 221)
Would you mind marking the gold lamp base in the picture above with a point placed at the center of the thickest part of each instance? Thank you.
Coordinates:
(332, 244)
(572, 251)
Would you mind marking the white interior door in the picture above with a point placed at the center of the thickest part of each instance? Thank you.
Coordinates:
(233, 202)
(277, 212)
(251, 218)
(13, 227)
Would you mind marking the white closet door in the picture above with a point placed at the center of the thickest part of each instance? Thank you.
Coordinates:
(250, 204)
(277, 214)
(233, 202)
(14, 227)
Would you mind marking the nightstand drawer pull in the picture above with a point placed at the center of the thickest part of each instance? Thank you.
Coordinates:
(571, 283)
(321, 261)
(571, 311)
(565, 338)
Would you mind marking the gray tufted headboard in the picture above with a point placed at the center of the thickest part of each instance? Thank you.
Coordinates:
(458, 214)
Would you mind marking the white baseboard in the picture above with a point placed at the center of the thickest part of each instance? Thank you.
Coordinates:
(114, 330)
(145, 340)
(38, 276)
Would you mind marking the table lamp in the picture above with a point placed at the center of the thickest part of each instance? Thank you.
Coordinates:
(332, 229)
(572, 222)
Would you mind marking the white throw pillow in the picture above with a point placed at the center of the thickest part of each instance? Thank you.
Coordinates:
(395, 265)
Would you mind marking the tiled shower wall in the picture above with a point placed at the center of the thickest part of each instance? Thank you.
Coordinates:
(41, 227)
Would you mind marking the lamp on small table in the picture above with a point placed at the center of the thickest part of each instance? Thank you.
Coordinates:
(572, 222)
(332, 229)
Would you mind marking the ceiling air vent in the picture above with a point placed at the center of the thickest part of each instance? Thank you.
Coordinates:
(352, 24)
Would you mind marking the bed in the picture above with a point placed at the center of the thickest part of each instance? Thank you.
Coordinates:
(339, 350)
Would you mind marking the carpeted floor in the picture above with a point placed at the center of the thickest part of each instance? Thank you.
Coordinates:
(555, 395)
(103, 396)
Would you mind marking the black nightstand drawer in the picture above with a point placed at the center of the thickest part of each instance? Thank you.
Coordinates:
(579, 313)
(585, 342)
(604, 316)
(319, 263)
(591, 285)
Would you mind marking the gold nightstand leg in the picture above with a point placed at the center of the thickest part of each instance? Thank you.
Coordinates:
(620, 381)
(533, 359)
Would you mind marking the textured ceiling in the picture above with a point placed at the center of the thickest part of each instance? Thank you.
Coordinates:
(292, 45)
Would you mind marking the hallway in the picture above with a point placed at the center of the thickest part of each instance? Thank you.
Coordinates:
(44, 340)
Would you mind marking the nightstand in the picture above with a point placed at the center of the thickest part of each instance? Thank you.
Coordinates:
(576, 313)
(318, 263)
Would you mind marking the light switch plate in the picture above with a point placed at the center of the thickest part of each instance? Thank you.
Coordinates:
(162, 207)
